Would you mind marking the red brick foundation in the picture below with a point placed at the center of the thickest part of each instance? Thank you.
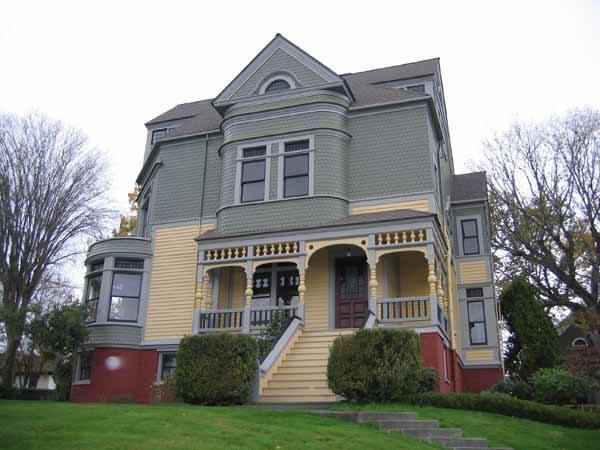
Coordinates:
(434, 353)
(477, 380)
(119, 375)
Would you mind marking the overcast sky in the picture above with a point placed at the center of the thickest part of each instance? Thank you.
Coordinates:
(109, 67)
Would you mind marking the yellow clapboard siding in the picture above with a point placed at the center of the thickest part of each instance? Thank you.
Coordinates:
(172, 283)
(480, 355)
(474, 271)
(418, 205)
(317, 291)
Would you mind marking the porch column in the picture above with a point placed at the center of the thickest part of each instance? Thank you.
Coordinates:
(248, 293)
(207, 288)
(373, 284)
(301, 282)
(432, 280)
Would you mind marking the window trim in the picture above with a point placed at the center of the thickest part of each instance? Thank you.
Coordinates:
(574, 345)
(477, 220)
(265, 83)
(110, 298)
(469, 322)
(281, 166)
(78, 379)
(95, 274)
(159, 377)
(240, 160)
(296, 154)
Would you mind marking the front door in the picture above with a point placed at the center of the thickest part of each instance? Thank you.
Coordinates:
(351, 292)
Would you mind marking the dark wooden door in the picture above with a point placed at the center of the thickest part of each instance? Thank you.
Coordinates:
(351, 292)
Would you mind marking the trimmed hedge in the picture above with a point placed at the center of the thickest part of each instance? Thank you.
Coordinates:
(216, 369)
(561, 387)
(502, 404)
(377, 365)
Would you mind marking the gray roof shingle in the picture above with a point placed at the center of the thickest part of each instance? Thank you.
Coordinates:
(469, 187)
(403, 71)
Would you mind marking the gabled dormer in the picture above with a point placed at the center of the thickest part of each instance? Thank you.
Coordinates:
(279, 67)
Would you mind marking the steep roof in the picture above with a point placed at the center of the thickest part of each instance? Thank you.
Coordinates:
(400, 72)
(469, 187)
(202, 110)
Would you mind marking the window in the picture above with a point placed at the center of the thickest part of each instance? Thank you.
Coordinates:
(121, 263)
(125, 297)
(476, 314)
(168, 365)
(91, 297)
(296, 168)
(253, 175)
(277, 86)
(474, 292)
(416, 88)
(145, 214)
(470, 237)
(97, 265)
(160, 133)
(84, 372)
(579, 342)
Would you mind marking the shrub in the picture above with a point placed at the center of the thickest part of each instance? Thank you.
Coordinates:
(428, 380)
(271, 334)
(502, 404)
(216, 369)
(561, 387)
(375, 365)
(515, 388)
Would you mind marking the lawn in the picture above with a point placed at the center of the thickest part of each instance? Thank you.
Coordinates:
(37, 425)
(501, 431)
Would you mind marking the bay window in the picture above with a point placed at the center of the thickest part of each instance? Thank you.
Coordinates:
(125, 297)
(92, 296)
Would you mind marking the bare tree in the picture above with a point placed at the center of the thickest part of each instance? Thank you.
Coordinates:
(544, 182)
(52, 187)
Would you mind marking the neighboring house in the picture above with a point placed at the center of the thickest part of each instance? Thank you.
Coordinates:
(43, 379)
(331, 198)
(573, 337)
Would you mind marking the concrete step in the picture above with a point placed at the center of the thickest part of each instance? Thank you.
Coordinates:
(400, 425)
(366, 417)
(297, 356)
(264, 399)
(323, 351)
(312, 344)
(459, 442)
(425, 433)
(295, 391)
(305, 383)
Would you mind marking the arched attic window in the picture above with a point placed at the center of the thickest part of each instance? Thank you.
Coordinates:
(277, 86)
(579, 342)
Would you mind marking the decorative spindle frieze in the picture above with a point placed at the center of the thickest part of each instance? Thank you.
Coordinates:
(225, 254)
(276, 249)
(400, 237)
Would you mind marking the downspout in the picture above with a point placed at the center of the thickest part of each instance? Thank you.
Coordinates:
(200, 223)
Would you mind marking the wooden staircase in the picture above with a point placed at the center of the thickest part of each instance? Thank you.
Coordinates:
(302, 375)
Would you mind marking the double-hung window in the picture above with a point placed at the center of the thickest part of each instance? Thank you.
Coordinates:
(470, 237)
(253, 174)
(477, 332)
(168, 365)
(296, 169)
(91, 297)
(125, 297)
(84, 370)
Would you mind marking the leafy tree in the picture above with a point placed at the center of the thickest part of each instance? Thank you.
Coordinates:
(128, 224)
(533, 343)
(58, 334)
(544, 183)
(52, 187)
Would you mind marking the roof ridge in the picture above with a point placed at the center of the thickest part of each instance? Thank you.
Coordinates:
(437, 58)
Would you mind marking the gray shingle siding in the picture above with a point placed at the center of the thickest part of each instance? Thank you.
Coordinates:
(330, 164)
(389, 154)
(274, 168)
(287, 124)
(212, 192)
(228, 168)
(280, 61)
(281, 214)
(133, 246)
(111, 334)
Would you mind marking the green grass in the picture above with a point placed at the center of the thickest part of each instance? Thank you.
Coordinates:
(33, 425)
(501, 431)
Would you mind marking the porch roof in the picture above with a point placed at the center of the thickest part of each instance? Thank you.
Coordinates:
(354, 219)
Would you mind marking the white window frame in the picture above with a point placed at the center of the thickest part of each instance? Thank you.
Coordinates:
(574, 345)
(159, 379)
(281, 165)
(267, 82)
(78, 366)
(238, 171)
(459, 221)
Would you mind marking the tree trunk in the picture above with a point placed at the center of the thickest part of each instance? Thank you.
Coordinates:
(13, 339)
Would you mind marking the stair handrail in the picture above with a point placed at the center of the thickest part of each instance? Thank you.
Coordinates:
(281, 345)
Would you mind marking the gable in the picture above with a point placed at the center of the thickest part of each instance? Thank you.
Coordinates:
(279, 58)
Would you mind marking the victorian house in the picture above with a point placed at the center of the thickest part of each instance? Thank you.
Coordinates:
(329, 198)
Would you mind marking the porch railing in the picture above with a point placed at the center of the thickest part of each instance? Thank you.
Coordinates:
(263, 316)
(403, 309)
(221, 320)
(233, 319)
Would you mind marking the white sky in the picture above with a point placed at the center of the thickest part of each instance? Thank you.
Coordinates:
(109, 67)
